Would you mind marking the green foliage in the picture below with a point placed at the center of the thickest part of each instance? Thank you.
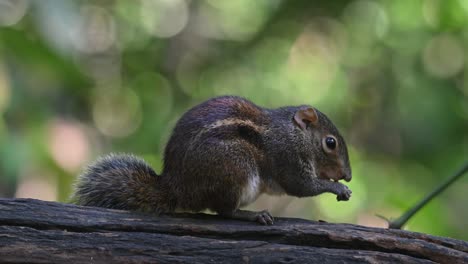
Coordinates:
(83, 78)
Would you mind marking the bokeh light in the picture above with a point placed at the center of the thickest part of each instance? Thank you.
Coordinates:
(11, 11)
(314, 58)
(228, 19)
(37, 188)
(443, 56)
(68, 144)
(366, 20)
(117, 113)
(164, 18)
(97, 32)
(5, 90)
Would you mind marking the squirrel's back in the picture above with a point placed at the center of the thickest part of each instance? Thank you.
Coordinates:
(224, 118)
(229, 109)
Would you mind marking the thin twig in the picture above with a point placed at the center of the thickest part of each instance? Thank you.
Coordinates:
(400, 221)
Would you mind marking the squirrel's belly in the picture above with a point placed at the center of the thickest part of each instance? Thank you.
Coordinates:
(251, 190)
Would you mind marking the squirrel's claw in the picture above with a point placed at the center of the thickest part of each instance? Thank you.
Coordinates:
(264, 218)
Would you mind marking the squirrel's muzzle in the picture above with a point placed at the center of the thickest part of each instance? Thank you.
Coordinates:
(347, 177)
(335, 174)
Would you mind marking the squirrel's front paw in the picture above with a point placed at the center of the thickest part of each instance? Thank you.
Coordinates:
(344, 194)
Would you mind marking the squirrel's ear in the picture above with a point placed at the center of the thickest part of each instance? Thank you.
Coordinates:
(305, 116)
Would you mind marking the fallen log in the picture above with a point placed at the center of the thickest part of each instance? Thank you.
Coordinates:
(33, 231)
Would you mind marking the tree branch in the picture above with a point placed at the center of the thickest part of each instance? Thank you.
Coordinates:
(34, 231)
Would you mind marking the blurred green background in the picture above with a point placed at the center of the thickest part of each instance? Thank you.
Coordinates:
(83, 78)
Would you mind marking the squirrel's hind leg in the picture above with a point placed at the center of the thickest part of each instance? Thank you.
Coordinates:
(262, 217)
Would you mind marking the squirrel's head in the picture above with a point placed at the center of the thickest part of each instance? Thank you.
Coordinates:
(323, 142)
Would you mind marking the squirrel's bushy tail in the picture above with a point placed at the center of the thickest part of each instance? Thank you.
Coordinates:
(118, 181)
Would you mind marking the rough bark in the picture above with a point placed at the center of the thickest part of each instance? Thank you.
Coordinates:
(33, 231)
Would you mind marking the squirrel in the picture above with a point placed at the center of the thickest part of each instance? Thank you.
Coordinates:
(222, 154)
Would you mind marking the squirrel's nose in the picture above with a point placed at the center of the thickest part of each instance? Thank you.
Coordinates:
(347, 177)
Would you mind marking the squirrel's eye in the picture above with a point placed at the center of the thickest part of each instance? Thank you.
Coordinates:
(329, 143)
